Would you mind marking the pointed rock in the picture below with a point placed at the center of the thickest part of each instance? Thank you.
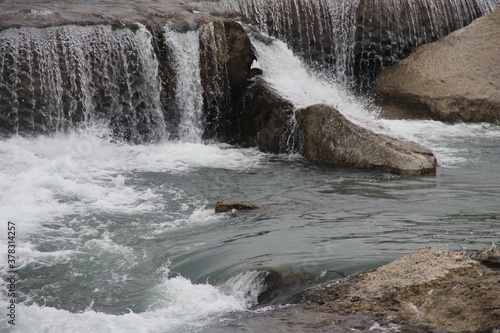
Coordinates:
(328, 137)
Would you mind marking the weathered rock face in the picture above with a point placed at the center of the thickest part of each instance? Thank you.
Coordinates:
(267, 120)
(432, 286)
(489, 256)
(454, 79)
(327, 137)
(387, 31)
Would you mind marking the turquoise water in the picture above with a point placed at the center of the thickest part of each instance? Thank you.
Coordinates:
(115, 237)
(112, 233)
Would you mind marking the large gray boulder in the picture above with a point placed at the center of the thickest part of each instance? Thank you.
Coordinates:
(454, 79)
(328, 137)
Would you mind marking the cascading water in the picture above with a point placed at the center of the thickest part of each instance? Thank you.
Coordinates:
(58, 77)
(188, 88)
(117, 237)
(355, 39)
(214, 47)
(61, 77)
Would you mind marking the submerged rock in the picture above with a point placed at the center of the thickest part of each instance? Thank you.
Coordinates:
(225, 206)
(328, 137)
(283, 287)
(432, 286)
(454, 79)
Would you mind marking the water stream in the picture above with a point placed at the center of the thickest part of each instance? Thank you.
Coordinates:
(120, 237)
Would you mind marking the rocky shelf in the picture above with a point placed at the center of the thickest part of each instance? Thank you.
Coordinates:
(432, 289)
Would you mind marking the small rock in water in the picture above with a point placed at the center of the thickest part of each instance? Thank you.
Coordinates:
(224, 206)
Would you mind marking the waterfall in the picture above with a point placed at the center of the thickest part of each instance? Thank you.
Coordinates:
(58, 77)
(188, 89)
(214, 48)
(355, 39)
(148, 84)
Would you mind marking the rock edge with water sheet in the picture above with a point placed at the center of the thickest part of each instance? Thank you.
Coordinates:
(226, 206)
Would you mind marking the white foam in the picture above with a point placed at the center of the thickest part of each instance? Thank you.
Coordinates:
(302, 86)
(44, 180)
(288, 75)
(176, 305)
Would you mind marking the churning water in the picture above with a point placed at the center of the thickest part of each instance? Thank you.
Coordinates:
(115, 237)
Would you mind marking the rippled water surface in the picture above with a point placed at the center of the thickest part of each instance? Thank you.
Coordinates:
(111, 232)
(115, 237)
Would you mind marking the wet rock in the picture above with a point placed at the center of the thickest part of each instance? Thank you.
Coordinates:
(266, 120)
(433, 286)
(328, 137)
(225, 206)
(283, 287)
(226, 56)
(454, 79)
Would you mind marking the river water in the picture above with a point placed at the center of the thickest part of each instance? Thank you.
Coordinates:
(115, 237)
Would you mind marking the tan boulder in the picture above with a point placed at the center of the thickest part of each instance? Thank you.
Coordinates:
(454, 79)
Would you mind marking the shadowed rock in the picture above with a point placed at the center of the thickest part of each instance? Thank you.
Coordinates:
(283, 287)
(454, 79)
(266, 119)
(328, 137)
(226, 56)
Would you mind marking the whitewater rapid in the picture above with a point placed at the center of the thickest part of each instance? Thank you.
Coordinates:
(86, 173)
(303, 86)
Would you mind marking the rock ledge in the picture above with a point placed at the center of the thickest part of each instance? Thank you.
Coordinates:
(456, 78)
(433, 286)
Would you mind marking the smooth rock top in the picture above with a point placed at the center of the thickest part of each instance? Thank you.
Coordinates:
(454, 79)
(328, 137)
